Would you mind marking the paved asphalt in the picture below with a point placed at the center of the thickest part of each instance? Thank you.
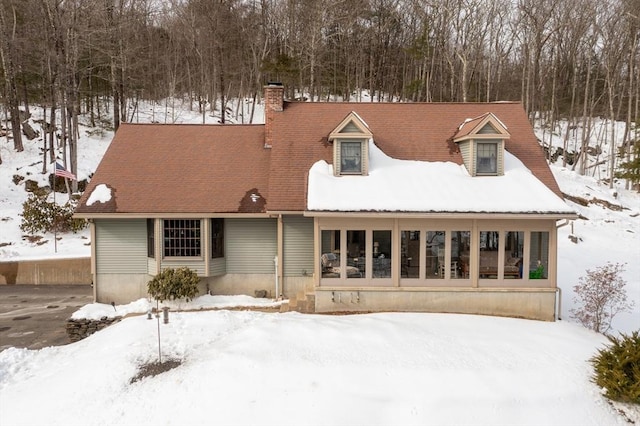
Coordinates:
(35, 316)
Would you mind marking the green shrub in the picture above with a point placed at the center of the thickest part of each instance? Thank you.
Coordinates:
(39, 215)
(172, 284)
(617, 368)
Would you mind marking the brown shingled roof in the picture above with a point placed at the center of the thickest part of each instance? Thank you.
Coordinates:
(159, 168)
(156, 169)
(409, 131)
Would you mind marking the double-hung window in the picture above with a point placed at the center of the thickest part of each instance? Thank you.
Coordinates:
(351, 157)
(486, 158)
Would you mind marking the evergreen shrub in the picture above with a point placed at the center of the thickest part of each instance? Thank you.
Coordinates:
(40, 215)
(173, 284)
(617, 368)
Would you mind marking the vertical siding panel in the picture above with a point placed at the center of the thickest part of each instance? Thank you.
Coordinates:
(121, 246)
(298, 245)
(250, 245)
(465, 152)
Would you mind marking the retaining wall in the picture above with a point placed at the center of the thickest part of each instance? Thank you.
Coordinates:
(47, 272)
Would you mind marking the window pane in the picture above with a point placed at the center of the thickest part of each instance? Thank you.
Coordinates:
(181, 237)
(486, 158)
(434, 254)
(350, 153)
(460, 243)
(382, 254)
(410, 261)
(217, 238)
(489, 241)
(539, 256)
(514, 250)
(151, 244)
(330, 258)
(356, 245)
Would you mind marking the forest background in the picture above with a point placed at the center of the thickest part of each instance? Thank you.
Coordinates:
(563, 59)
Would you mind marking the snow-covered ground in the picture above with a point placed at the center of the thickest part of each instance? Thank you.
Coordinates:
(245, 367)
(254, 368)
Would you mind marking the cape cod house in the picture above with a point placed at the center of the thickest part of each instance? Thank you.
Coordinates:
(433, 207)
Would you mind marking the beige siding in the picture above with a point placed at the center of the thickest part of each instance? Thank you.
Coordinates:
(121, 246)
(501, 158)
(152, 266)
(250, 246)
(298, 246)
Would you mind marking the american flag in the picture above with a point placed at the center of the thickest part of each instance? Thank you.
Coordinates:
(61, 171)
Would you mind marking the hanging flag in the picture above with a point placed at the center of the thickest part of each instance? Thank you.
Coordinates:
(61, 171)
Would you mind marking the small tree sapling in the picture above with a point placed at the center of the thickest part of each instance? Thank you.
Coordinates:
(601, 295)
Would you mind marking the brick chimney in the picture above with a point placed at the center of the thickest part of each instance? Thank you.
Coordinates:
(273, 104)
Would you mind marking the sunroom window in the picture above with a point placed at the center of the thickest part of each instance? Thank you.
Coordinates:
(486, 158)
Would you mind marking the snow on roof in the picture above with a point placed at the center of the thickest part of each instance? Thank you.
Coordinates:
(421, 186)
(100, 194)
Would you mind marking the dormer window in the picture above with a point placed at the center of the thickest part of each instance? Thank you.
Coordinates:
(351, 146)
(351, 157)
(481, 142)
(487, 158)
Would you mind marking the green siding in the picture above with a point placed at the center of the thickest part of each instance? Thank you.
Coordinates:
(488, 130)
(350, 128)
(250, 246)
(298, 245)
(465, 151)
(121, 246)
(195, 264)
(217, 267)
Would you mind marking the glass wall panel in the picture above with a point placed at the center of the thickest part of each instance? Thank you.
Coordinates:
(410, 247)
(356, 259)
(489, 244)
(460, 244)
(434, 254)
(330, 257)
(539, 255)
(382, 254)
(513, 254)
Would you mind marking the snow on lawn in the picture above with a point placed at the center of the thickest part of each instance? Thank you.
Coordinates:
(243, 367)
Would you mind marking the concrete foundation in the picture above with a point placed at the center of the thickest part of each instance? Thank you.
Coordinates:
(538, 304)
(47, 272)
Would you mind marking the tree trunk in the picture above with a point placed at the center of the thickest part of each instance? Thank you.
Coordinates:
(7, 58)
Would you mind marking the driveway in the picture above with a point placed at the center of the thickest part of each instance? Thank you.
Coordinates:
(35, 316)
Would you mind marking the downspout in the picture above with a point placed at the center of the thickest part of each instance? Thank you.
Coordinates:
(564, 223)
(279, 257)
(275, 260)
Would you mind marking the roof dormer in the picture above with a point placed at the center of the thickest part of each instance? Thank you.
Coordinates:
(351, 146)
(481, 142)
